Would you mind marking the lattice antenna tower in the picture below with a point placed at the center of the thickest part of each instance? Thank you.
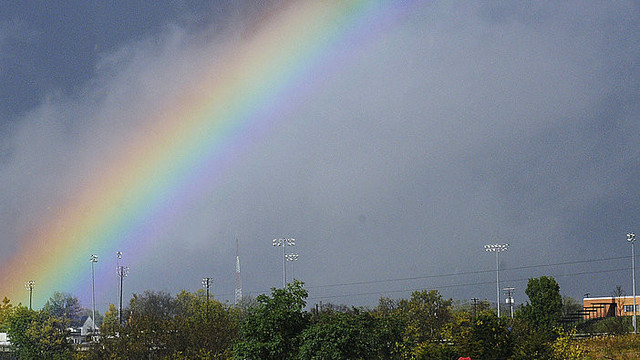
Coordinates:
(238, 294)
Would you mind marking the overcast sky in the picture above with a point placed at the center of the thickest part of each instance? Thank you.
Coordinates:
(460, 124)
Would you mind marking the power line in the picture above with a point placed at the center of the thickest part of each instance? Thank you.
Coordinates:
(475, 272)
(465, 273)
(453, 285)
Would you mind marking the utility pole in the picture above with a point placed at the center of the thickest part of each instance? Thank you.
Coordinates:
(631, 237)
(509, 291)
(475, 306)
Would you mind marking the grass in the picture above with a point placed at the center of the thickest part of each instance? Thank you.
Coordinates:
(612, 347)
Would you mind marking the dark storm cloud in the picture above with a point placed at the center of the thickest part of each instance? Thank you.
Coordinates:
(466, 125)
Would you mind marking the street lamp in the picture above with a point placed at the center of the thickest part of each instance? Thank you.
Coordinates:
(284, 242)
(29, 285)
(291, 258)
(122, 272)
(93, 259)
(497, 248)
(631, 237)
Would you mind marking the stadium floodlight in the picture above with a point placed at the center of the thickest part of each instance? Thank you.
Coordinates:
(284, 242)
(93, 259)
(497, 248)
(29, 286)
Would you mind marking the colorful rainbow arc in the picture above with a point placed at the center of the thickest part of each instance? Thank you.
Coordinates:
(239, 98)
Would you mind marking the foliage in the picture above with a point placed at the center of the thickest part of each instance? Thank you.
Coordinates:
(618, 324)
(530, 342)
(355, 334)
(485, 336)
(110, 323)
(545, 307)
(6, 309)
(426, 314)
(203, 330)
(160, 326)
(611, 325)
(616, 347)
(566, 348)
(272, 329)
(570, 306)
(38, 335)
(65, 306)
(157, 325)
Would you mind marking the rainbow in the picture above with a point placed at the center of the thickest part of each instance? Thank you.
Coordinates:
(137, 196)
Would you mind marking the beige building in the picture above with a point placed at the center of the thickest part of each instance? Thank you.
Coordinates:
(598, 307)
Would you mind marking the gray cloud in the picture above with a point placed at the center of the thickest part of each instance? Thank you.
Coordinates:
(466, 125)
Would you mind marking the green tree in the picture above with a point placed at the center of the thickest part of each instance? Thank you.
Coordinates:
(426, 314)
(487, 337)
(545, 307)
(160, 326)
(273, 327)
(531, 342)
(6, 309)
(39, 335)
(147, 331)
(203, 328)
(536, 321)
(66, 306)
(355, 334)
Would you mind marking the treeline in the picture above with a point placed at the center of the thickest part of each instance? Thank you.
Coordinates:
(157, 325)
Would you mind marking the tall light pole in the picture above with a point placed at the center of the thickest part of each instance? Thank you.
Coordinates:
(284, 242)
(122, 272)
(93, 259)
(29, 285)
(631, 237)
(206, 283)
(497, 248)
(291, 258)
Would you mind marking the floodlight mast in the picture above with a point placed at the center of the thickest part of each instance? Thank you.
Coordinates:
(206, 283)
(497, 248)
(93, 259)
(631, 237)
(284, 242)
(122, 272)
(29, 286)
(291, 258)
